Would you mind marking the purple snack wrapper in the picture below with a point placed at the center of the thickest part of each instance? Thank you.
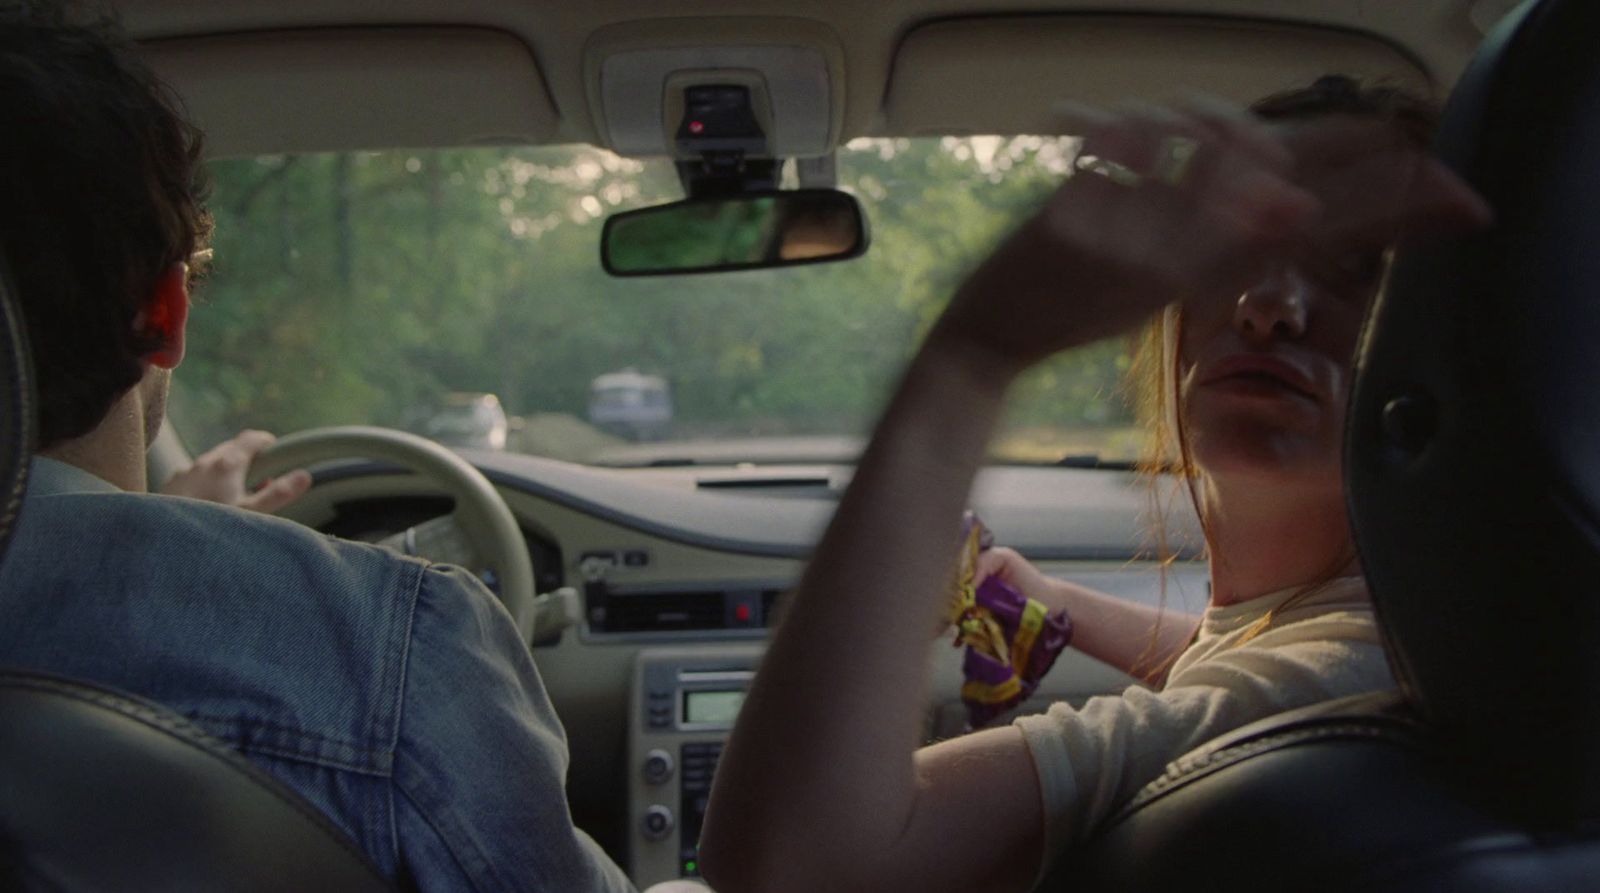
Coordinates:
(980, 667)
(985, 535)
(1006, 605)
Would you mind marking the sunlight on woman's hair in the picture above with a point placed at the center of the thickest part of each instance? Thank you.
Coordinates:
(1167, 461)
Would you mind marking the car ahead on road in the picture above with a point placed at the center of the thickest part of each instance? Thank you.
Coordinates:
(476, 421)
(630, 404)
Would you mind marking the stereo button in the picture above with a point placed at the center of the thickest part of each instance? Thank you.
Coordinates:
(657, 824)
(657, 766)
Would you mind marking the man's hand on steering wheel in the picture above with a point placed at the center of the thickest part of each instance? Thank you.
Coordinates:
(219, 476)
(480, 533)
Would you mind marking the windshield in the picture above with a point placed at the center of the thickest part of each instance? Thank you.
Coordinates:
(379, 288)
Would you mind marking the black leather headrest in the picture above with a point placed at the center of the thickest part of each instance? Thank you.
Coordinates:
(1473, 457)
(104, 791)
(16, 406)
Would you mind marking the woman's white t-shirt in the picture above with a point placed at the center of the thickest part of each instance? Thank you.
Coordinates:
(1093, 759)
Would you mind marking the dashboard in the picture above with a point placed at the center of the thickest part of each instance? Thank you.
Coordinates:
(680, 572)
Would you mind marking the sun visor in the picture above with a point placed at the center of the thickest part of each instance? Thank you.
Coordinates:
(1004, 74)
(357, 88)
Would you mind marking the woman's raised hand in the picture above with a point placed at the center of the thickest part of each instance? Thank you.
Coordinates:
(1187, 202)
(1165, 202)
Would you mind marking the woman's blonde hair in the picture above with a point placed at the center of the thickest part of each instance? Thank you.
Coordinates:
(1153, 381)
(1170, 473)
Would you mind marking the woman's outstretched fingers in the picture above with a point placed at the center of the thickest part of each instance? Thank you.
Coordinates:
(1237, 126)
(1164, 205)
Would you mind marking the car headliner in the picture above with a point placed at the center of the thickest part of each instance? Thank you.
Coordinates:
(297, 75)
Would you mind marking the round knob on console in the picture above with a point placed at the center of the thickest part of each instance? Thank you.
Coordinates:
(658, 766)
(657, 822)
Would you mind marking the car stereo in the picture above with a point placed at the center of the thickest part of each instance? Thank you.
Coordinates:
(683, 705)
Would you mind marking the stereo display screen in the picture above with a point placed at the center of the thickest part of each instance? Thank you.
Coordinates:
(712, 708)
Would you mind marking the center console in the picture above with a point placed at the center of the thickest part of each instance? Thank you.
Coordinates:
(681, 708)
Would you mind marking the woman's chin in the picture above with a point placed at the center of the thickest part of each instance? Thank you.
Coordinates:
(1266, 450)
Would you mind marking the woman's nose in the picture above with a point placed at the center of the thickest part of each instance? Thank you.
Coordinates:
(1276, 308)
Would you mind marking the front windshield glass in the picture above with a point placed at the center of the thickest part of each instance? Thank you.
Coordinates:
(458, 294)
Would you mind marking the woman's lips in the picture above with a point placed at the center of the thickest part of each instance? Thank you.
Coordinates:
(1259, 375)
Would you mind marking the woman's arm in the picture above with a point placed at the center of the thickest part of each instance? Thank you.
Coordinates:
(1137, 639)
(821, 786)
(823, 760)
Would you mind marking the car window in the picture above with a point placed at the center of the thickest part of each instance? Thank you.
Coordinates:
(377, 287)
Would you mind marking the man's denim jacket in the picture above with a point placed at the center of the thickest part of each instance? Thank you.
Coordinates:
(394, 695)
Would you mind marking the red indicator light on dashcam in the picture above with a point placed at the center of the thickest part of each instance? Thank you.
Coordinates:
(697, 127)
(741, 613)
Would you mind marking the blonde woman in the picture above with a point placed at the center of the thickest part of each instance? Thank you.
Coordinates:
(1259, 243)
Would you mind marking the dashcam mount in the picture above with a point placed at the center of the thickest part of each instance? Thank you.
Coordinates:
(720, 142)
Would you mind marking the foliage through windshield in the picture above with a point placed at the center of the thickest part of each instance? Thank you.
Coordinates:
(458, 294)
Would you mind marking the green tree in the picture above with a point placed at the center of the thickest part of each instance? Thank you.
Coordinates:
(364, 287)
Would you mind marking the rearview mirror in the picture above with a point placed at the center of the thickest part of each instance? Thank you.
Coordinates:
(746, 231)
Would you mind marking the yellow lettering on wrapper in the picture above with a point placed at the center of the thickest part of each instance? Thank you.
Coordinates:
(992, 694)
(1028, 629)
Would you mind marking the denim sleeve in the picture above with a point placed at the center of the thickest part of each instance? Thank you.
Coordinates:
(481, 759)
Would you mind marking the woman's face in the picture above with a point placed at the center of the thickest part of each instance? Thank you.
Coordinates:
(1263, 381)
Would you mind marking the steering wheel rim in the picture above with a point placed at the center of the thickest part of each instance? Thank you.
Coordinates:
(480, 510)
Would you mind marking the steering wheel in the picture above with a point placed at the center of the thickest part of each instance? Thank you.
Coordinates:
(480, 533)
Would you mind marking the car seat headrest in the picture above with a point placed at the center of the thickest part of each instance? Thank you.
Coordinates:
(16, 406)
(1473, 450)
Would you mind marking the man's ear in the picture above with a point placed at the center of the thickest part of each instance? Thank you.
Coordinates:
(165, 315)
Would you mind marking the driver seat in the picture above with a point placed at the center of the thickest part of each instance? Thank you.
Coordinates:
(1473, 477)
(103, 791)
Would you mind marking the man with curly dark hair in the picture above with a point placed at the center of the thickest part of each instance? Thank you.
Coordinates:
(106, 229)
(395, 695)
(105, 290)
